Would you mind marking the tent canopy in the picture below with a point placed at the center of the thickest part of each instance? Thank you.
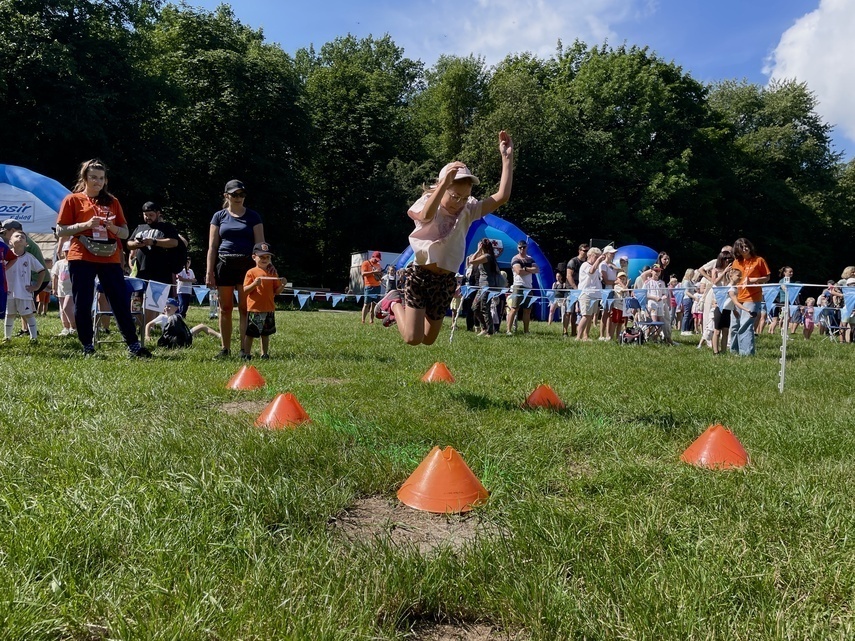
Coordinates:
(505, 236)
(33, 200)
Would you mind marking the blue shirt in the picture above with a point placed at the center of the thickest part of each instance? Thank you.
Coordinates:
(236, 233)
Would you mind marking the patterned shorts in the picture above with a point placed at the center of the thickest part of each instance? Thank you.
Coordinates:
(429, 291)
(260, 324)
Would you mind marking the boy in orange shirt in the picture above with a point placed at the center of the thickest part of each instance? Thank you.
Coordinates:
(261, 285)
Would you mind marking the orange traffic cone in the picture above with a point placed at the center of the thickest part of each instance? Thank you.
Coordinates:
(442, 483)
(717, 448)
(438, 373)
(544, 396)
(246, 378)
(283, 411)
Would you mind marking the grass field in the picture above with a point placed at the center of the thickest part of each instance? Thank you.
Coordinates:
(133, 507)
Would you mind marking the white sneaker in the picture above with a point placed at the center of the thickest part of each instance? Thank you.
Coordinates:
(64, 332)
(685, 333)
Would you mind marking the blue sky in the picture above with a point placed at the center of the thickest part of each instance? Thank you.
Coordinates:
(756, 40)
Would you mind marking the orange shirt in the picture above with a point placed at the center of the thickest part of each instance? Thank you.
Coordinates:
(78, 208)
(371, 279)
(261, 299)
(755, 267)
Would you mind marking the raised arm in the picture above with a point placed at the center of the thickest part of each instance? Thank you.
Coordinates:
(506, 149)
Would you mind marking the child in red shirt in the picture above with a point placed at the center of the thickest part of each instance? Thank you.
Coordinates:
(261, 285)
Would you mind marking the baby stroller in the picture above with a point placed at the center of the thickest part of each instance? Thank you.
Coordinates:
(632, 334)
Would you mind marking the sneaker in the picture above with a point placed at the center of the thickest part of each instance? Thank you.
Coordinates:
(223, 353)
(138, 351)
(685, 333)
(389, 320)
(88, 350)
(64, 332)
(384, 307)
(245, 357)
(265, 357)
(22, 332)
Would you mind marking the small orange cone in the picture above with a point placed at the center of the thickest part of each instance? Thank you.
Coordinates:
(246, 378)
(544, 396)
(717, 448)
(442, 483)
(438, 373)
(283, 411)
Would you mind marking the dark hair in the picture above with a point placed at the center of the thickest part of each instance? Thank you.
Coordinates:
(492, 265)
(745, 244)
(783, 270)
(724, 259)
(104, 197)
(584, 247)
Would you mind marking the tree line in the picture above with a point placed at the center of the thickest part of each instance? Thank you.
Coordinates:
(334, 143)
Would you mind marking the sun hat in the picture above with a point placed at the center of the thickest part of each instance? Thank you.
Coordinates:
(462, 173)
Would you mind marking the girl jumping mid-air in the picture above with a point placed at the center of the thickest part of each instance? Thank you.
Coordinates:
(443, 216)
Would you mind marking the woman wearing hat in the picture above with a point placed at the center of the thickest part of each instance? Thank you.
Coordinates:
(234, 231)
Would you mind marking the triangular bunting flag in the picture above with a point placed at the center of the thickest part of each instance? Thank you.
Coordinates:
(641, 296)
(303, 298)
(572, 298)
(156, 295)
(770, 295)
(793, 290)
(848, 302)
(720, 296)
(201, 292)
(336, 299)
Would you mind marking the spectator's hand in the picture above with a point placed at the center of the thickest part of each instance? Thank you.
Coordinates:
(210, 280)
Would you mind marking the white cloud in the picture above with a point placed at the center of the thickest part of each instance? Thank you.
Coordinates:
(495, 28)
(819, 49)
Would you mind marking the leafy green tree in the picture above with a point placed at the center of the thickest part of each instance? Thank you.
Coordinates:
(364, 149)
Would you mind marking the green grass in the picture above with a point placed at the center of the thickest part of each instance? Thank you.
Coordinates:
(129, 500)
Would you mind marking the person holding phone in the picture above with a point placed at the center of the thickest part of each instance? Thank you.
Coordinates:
(755, 272)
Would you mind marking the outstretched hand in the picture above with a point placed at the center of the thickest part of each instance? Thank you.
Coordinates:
(506, 145)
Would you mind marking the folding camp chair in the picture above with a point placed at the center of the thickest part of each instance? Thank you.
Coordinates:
(136, 293)
(828, 319)
(650, 329)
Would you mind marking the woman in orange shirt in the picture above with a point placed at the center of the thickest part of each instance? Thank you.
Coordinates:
(755, 271)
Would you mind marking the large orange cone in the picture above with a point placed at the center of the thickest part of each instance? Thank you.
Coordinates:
(442, 483)
(717, 448)
(283, 411)
(544, 396)
(438, 373)
(246, 378)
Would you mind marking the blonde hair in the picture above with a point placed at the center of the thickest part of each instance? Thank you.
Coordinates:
(849, 272)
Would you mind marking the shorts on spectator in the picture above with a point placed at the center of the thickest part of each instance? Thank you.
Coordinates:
(516, 297)
(260, 324)
(775, 312)
(657, 308)
(20, 306)
(588, 306)
(721, 318)
(231, 269)
(372, 294)
(429, 291)
(616, 314)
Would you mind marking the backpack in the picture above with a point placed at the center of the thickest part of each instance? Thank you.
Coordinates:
(176, 334)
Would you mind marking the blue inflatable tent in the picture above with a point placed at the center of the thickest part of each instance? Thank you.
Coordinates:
(33, 200)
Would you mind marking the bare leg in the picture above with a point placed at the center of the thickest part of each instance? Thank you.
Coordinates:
(226, 298)
(411, 323)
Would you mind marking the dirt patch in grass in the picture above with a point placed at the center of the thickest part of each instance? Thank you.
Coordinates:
(244, 407)
(464, 632)
(376, 518)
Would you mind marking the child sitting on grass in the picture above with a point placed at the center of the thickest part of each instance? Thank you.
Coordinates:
(261, 285)
(175, 333)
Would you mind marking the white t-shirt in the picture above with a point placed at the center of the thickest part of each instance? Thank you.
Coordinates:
(63, 277)
(18, 276)
(442, 239)
(589, 281)
(608, 271)
(185, 287)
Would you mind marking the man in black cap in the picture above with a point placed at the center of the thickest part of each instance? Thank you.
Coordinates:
(155, 244)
